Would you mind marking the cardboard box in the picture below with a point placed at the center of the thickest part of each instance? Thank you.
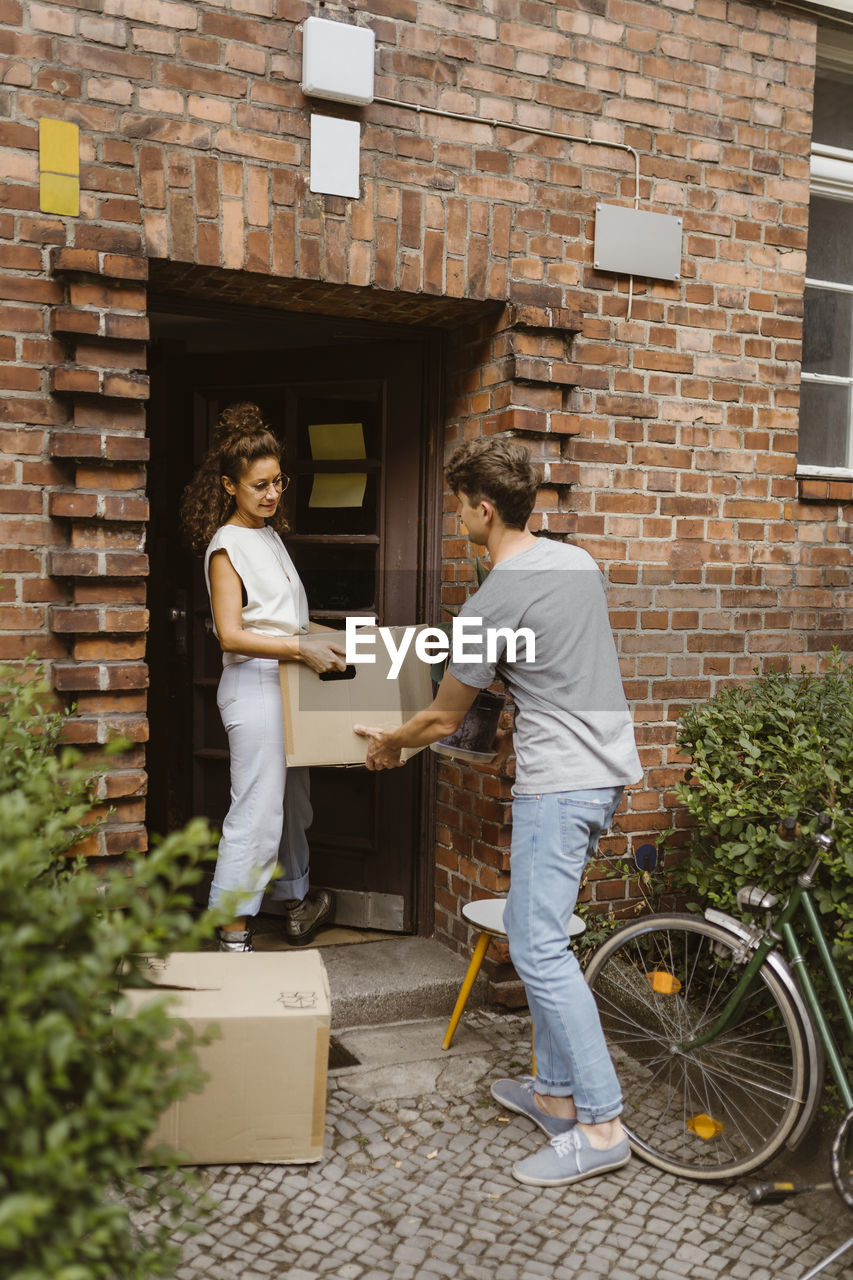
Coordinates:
(319, 714)
(265, 1099)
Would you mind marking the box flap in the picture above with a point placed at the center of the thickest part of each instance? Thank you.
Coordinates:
(214, 985)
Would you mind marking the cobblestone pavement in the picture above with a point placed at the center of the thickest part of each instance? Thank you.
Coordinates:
(417, 1185)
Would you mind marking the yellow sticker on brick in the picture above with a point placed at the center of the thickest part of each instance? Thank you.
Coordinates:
(59, 147)
(59, 165)
(59, 193)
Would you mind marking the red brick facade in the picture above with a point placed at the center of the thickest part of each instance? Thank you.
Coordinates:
(669, 438)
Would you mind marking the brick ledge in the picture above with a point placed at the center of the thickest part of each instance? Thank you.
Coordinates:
(824, 489)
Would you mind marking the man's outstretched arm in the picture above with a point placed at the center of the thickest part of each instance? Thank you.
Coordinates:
(442, 717)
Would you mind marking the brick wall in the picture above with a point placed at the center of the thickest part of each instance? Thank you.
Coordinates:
(668, 436)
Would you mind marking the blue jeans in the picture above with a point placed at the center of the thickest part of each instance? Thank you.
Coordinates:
(553, 837)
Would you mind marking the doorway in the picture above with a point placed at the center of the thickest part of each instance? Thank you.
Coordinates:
(357, 406)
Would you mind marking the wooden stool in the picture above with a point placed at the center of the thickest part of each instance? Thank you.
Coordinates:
(488, 916)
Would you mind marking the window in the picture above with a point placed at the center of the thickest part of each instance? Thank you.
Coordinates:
(826, 404)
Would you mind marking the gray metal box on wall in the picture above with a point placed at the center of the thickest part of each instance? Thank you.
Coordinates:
(635, 242)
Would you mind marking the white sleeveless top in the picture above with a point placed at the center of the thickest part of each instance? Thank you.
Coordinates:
(276, 601)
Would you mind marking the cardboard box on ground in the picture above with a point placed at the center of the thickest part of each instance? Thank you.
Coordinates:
(319, 714)
(265, 1099)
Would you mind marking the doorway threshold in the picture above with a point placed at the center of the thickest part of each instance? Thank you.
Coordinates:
(268, 935)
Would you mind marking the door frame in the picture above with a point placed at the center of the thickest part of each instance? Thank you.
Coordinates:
(434, 343)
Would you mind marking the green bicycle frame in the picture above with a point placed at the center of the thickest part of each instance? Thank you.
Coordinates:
(799, 899)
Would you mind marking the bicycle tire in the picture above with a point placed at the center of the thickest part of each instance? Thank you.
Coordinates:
(718, 1111)
(842, 1160)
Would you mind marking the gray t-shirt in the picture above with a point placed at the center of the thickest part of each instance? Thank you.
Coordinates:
(573, 728)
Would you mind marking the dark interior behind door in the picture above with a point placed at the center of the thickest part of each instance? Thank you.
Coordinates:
(361, 533)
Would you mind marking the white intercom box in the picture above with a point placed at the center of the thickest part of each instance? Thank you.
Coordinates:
(337, 61)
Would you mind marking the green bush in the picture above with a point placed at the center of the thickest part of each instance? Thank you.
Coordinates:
(82, 1079)
(779, 746)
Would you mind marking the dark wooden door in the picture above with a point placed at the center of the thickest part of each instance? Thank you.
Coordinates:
(354, 424)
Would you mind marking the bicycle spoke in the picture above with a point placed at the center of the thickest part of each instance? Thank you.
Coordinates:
(757, 1081)
(726, 1104)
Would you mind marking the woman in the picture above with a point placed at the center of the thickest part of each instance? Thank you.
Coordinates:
(232, 513)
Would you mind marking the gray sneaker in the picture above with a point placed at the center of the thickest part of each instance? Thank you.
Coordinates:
(517, 1095)
(570, 1158)
(235, 940)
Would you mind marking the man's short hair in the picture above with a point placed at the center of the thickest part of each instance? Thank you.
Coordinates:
(498, 470)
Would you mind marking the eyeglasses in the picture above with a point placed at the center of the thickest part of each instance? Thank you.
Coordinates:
(280, 483)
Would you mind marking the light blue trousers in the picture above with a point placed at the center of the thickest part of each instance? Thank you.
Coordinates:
(270, 806)
(553, 837)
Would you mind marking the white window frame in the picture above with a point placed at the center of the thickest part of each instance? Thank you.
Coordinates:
(831, 175)
(844, 6)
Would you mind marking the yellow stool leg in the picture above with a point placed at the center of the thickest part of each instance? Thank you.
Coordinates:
(465, 990)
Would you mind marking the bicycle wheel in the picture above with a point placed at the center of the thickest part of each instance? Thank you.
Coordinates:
(842, 1160)
(724, 1108)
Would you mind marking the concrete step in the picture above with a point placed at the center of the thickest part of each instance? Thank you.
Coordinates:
(405, 1060)
(395, 980)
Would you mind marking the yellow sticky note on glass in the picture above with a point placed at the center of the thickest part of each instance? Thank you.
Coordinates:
(332, 441)
(338, 489)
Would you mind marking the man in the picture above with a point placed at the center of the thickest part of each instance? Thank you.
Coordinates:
(575, 752)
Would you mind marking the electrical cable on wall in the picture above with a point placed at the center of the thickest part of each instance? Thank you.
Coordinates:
(541, 133)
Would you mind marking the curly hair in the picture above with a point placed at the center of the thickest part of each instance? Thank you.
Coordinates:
(241, 437)
(497, 469)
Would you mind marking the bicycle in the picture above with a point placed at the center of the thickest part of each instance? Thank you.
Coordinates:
(728, 1037)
